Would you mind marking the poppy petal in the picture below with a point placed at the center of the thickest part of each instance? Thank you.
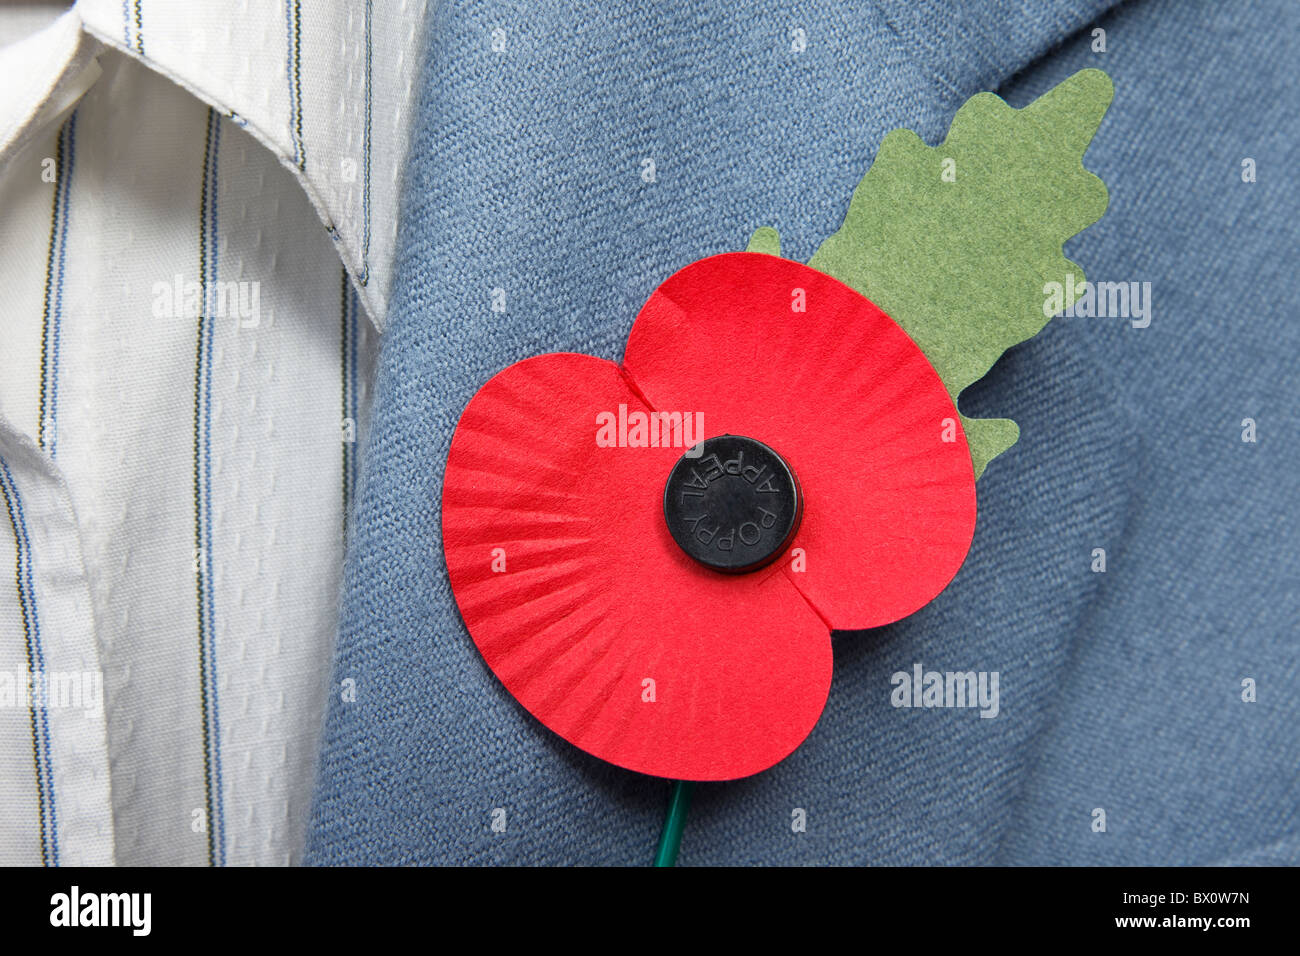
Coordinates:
(768, 348)
(587, 610)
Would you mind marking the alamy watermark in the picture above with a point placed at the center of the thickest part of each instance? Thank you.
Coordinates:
(131, 911)
(1100, 300)
(186, 299)
(922, 688)
(637, 429)
(75, 690)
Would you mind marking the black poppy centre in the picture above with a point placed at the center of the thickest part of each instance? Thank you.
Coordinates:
(732, 504)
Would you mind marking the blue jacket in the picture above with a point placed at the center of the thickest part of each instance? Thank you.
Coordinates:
(1120, 690)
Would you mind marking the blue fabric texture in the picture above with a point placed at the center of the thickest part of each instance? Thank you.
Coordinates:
(1120, 691)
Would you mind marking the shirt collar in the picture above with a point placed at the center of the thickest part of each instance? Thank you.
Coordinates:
(44, 75)
(301, 79)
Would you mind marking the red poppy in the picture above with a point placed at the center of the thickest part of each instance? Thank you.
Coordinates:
(580, 598)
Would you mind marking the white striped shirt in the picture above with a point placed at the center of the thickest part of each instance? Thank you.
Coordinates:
(184, 353)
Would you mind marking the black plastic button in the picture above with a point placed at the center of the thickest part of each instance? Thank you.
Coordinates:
(732, 504)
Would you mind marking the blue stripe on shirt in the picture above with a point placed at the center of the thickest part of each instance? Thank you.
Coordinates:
(38, 709)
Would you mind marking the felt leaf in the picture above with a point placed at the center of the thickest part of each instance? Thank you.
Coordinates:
(765, 240)
(957, 242)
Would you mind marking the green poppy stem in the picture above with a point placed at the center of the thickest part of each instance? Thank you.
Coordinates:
(670, 840)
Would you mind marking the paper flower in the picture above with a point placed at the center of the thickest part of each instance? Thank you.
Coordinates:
(561, 523)
(556, 521)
